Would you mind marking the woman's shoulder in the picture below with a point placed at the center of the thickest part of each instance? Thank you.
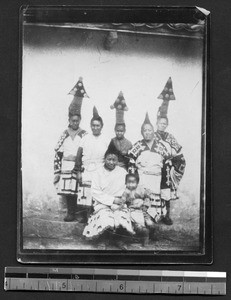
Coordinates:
(138, 144)
(87, 138)
(120, 170)
(61, 140)
(65, 133)
(129, 143)
(137, 147)
(105, 139)
(82, 133)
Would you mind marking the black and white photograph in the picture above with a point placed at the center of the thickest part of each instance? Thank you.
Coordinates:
(113, 137)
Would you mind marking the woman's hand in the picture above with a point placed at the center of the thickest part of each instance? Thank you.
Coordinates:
(168, 161)
(56, 178)
(118, 201)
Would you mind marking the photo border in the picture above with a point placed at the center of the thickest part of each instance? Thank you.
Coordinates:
(128, 14)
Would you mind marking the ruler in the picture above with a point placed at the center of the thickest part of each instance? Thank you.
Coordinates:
(114, 281)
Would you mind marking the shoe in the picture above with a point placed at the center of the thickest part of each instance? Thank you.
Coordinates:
(101, 246)
(69, 217)
(167, 221)
(82, 221)
(71, 209)
(145, 241)
(121, 245)
(153, 236)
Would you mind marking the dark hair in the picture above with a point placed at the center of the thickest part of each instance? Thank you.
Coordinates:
(142, 127)
(72, 114)
(134, 175)
(162, 117)
(120, 124)
(108, 152)
(97, 119)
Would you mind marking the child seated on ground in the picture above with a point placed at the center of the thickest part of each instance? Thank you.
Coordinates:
(136, 198)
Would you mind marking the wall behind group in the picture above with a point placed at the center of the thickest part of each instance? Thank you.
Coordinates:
(139, 65)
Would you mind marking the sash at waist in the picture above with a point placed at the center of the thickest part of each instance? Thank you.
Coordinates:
(69, 158)
(67, 165)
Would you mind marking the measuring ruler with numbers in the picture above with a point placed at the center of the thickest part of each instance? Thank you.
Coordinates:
(114, 281)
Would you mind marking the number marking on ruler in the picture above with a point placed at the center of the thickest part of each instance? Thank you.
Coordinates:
(114, 281)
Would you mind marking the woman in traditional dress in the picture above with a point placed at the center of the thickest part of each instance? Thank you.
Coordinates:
(65, 156)
(147, 160)
(173, 165)
(122, 144)
(90, 155)
(108, 185)
(89, 158)
(174, 162)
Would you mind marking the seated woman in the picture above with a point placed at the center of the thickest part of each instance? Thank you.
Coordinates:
(108, 185)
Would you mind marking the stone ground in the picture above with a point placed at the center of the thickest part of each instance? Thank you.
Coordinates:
(46, 230)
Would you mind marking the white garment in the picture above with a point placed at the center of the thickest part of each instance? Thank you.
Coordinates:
(69, 148)
(150, 162)
(149, 166)
(94, 148)
(106, 185)
(67, 184)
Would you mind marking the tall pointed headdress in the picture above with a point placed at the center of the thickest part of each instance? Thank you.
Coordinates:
(166, 95)
(146, 120)
(79, 92)
(96, 116)
(95, 113)
(120, 107)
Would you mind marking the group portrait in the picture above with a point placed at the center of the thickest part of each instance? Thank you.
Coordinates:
(111, 138)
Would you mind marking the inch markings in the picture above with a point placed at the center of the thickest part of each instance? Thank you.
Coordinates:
(114, 281)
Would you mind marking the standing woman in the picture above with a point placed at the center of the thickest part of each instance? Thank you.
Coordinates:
(90, 154)
(174, 161)
(65, 156)
(122, 144)
(65, 153)
(173, 167)
(147, 160)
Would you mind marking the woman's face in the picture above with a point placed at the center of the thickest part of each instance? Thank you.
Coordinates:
(111, 161)
(120, 131)
(74, 122)
(148, 132)
(162, 124)
(96, 127)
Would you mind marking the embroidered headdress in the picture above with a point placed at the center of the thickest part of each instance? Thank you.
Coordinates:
(96, 116)
(166, 95)
(120, 107)
(79, 92)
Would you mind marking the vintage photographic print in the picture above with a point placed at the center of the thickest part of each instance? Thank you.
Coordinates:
(112, 149)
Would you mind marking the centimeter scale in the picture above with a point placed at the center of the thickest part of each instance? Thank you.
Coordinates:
(114, 281)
